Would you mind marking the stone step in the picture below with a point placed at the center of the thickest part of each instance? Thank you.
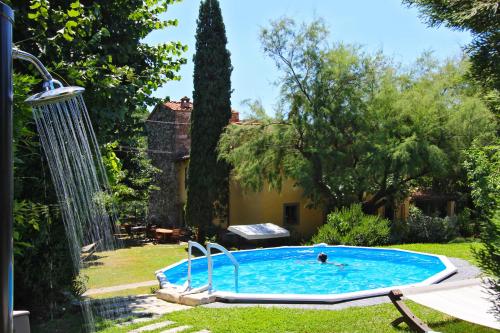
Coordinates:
(177, 329)
(152, 327)
(173, 296)
(136, 321)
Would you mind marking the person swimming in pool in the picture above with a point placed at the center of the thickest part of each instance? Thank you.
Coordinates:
(323, 258)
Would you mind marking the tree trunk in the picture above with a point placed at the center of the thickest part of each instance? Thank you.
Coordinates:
(201, 234)
(378, 200)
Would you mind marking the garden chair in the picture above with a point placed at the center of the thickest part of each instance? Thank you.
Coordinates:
(151, 232)
(407, 316)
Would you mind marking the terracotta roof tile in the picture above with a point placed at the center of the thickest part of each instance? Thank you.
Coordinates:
(179, 106)
(186, 106)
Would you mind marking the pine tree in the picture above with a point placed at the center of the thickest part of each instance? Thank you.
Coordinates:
(208, 178)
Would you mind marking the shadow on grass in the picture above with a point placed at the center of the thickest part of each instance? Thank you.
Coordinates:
(88, 264)
(446, 323)
(403, 327)
(107, 312)
(129, 242)
(93, 261)
(70, 322)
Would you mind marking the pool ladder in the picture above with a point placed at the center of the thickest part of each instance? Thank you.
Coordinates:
(208, 253)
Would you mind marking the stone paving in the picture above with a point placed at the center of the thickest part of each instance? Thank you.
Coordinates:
(143, 309)
(164, 324)
(145, 305)
(465, 270)
(177, 329)
(152, 327)
(135, 309)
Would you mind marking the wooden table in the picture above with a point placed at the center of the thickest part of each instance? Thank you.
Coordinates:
(138, 229)
(163, 234)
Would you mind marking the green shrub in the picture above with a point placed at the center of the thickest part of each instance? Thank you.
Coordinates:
(483, 172)
(461, 239)
(467, 225)
(423, 228)
(43, 270)
(488, 257)
(350, 226)
(399, 231)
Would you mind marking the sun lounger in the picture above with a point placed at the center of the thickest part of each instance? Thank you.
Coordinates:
(467, 300)
(406, 315)
(87, 251)
(259, 231)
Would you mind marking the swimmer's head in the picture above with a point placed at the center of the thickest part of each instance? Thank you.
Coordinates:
(322, 257)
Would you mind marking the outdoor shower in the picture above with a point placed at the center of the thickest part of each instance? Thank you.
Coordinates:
(6, 170)
(75, 164)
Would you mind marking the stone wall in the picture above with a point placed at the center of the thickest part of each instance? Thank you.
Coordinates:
(182, 138)
(163, 202)
(169, 143)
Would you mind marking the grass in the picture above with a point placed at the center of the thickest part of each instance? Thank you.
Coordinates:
(273, 320)
(71, 322)
(373, 319)
(455, 250)
(130, 265)
(126, 292)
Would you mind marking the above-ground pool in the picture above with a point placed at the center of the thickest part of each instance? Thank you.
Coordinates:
(294, 273)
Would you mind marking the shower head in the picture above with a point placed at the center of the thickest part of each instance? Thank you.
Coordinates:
(51, 94)
(54, 96)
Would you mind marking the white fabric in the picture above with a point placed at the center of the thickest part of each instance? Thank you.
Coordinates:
(259, 231)
(468, 302)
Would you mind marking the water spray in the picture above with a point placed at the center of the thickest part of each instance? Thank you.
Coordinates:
(75, 164)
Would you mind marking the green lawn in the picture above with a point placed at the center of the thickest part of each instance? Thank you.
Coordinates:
(257, 319)
(127, 292)
(130, 265)
(277, 320)
(456, 250)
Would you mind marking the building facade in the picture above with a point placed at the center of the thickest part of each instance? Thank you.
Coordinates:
(169, 143)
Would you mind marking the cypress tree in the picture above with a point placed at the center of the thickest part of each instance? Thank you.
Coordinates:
(208, 178)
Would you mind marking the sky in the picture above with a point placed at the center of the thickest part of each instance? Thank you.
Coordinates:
(384, 25)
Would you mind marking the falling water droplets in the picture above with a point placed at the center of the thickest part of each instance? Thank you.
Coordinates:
(79, 178)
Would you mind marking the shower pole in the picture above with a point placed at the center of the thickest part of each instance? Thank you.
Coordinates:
(6, 171)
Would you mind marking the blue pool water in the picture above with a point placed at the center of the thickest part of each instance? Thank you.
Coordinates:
(295, 270)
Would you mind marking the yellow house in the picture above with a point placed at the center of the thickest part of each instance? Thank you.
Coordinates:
(287, 208)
